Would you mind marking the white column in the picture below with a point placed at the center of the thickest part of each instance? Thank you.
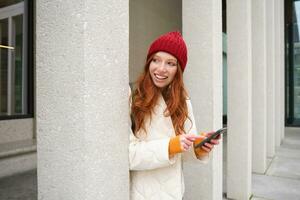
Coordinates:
(282, 70)
(239, 149)
(279, 72)
(270, 78)
(82, 99)
(259, 87)
(202, 30)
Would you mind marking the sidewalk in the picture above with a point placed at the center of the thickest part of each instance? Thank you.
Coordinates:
(282, 178)
(19, 187)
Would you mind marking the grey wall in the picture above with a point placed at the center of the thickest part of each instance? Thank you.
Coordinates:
(14, 130)
(149, 19)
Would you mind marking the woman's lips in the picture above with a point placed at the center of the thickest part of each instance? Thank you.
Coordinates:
(160, 77)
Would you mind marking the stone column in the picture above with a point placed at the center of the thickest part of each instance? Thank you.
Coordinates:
(279, 72)
(259, 87)
(282, 68)
(202, 30)
(239, 141)
(82, 99)
(270, 78)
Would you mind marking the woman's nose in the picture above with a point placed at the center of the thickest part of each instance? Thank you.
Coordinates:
(162, 66)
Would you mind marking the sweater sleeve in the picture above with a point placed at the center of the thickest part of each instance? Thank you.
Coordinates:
(147, 155)
(190, 126)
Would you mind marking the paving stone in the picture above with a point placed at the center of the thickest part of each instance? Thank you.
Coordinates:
(288, 152)
(19, 187)
(275, 188)
(269, 161)
(285, 167)
(258, 198)
(291, 144)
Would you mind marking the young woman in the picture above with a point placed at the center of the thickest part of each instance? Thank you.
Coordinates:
(163, 126)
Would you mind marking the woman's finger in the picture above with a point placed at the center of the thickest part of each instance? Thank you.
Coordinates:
(183, 140)
(214, 141)
(185, 147)
(210, 133)
(208, 145)
(218, 137)
(192, 137)
(187, 142)
(205, 149)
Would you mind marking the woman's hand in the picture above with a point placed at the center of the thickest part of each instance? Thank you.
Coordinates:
(187, 140)
(181, 143)
(208, 146)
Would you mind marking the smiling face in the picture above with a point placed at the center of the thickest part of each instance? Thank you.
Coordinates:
(163, 68)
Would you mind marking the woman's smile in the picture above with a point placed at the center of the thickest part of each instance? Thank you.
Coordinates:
(160, 77)
(163, 68)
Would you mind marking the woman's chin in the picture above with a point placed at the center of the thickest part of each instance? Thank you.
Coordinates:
(160, 85)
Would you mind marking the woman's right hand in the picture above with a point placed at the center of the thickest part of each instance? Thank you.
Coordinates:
(187, 140)
(182, 143)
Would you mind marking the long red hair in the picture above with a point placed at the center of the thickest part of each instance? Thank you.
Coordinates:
(145, 97)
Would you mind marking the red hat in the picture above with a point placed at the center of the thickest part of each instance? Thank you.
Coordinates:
(172, 43)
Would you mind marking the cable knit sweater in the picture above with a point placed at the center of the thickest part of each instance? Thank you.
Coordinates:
(153, 175)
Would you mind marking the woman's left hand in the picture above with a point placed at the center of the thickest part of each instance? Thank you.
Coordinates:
(208, 146)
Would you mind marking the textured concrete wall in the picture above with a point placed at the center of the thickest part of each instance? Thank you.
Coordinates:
(202, 30)
(270, 79)
(149, 19)
(82, 99)
(239, 149)
(279, 71)
(13, 130)
(17, 164)
(259, 86)
(282, 69)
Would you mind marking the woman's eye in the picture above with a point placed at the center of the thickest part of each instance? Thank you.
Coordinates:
(171, 63)
(154, 60)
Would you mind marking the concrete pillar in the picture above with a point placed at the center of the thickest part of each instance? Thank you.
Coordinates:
(239, 138)
(279, 72)
(82, 99)
(259, 87)
(270, 78)
(282, 69)
(202, 30)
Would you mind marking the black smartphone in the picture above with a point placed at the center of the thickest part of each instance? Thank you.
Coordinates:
(216, 134)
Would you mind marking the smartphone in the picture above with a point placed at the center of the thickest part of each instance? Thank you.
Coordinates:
(216, 134)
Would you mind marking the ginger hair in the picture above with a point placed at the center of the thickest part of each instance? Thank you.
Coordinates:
(145, 97)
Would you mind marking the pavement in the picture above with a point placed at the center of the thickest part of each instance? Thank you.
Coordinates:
(281, 180)
(19, 187)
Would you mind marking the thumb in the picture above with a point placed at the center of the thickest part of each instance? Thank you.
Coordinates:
(194, 137)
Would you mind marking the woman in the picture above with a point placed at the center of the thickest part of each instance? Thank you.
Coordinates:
(163, 125)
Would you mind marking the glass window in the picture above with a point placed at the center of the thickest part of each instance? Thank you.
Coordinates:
(3, 65)
(224, 29)
(14, 69)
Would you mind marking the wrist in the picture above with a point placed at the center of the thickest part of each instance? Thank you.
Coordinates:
(174, 145)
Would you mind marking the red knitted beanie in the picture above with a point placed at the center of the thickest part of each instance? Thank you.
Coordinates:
(172, 43)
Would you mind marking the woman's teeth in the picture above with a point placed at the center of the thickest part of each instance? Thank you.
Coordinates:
(160, 77)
